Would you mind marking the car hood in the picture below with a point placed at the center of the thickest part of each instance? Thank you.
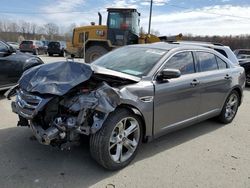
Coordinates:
(59, 77)
(23, 57)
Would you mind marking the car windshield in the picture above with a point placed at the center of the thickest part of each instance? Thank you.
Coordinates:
(136, 61)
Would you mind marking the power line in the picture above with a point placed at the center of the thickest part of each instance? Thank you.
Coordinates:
(82, 12)
(59, 12)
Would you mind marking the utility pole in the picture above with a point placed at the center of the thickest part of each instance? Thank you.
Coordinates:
(150, 15)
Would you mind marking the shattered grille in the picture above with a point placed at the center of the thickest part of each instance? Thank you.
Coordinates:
(26, 103)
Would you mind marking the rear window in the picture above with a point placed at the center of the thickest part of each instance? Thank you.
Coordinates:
(54, 44)
(246, 52)
(221, 52)
(27, 42)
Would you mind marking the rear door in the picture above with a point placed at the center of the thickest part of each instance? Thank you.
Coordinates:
(215, 81)
(176, 101)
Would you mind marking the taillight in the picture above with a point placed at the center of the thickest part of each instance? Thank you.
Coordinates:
(20, 46)
(32, 46)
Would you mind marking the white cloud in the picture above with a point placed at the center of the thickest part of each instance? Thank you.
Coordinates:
(123, 4)
(64, 12)
(205, 21)
(155, 2)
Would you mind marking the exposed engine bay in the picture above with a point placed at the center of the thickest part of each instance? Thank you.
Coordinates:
(59, 116)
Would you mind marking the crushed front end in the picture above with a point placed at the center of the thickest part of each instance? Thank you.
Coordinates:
(60, 120)
(59, 107)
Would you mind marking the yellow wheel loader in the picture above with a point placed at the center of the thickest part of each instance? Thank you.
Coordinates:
(123, 28)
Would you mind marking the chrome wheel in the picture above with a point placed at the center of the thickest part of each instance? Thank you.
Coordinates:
(231, 106)
(124, 139)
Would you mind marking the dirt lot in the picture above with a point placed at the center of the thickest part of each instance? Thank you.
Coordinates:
(204, 155)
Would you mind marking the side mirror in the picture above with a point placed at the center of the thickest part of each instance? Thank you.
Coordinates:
(168, 74)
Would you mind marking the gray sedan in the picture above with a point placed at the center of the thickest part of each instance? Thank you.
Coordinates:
(132, 94)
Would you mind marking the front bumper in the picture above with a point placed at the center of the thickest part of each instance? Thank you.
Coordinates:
(28, 105)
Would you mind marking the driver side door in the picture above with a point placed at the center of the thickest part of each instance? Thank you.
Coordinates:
(176, 101)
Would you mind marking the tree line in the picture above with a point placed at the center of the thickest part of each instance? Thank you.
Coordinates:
(13, 30)
(20, 30)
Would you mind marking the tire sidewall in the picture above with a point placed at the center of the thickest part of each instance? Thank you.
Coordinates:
(222, 117)
(94, 49)
(108, 128)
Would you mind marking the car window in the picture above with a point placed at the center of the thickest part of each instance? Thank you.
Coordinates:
(183, 61)
(221, 64)
(221, 52)
(207, 61)
(3, 48)
(27, 42)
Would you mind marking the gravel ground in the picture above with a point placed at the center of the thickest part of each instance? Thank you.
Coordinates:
(207, 154)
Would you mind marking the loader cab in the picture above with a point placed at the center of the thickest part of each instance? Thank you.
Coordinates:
(123, 26)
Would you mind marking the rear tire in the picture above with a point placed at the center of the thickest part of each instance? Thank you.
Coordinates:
(94, 52)
(230, 108)
(36, 52)
(115, 145)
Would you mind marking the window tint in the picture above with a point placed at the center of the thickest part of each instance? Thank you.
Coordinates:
(221, 64)
(207, 61)
(27, 42)
(183, 61)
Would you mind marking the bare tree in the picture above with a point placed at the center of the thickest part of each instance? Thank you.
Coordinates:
(33, 28)
(13, 27)
(51, 29)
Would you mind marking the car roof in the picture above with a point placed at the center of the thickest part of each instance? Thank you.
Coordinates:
(169, 46)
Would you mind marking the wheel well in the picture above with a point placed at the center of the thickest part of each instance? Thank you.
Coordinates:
(137, 112)
(238, 90)
(98, 43)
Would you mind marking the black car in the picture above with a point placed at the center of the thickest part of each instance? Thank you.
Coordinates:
(56, 47)
(245, 63)
(13, 64)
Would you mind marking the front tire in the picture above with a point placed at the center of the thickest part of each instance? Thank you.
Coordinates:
(230, 108)
(94, 52)
(115, 145)
(36, 52)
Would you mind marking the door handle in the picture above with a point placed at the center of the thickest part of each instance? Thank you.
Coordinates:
(228, 77)
(194, 83)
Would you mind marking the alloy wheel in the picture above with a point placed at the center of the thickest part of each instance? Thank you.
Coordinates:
(231, 106)
(124, 139)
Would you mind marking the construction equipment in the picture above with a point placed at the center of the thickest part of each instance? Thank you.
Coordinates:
(123, 28)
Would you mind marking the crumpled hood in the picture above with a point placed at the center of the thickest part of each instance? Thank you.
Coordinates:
(55, 78)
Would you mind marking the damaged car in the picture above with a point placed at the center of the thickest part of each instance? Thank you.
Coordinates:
(132, 94)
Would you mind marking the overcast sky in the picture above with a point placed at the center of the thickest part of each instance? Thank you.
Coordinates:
(170, 17)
